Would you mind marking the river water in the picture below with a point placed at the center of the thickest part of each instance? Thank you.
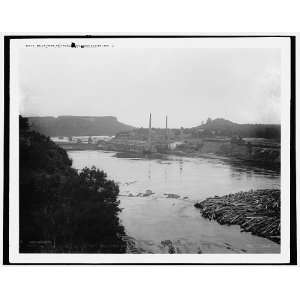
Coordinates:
(157, 198)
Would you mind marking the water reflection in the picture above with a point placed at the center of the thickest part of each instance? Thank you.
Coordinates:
(180, 166)
(149, 170)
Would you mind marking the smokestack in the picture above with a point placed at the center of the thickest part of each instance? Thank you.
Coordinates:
(181, 134)
(149, 133)
(167, 132)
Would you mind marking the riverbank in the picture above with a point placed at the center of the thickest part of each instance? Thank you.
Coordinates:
(256, 155)
(228, 159)
(237, 161)
(257, 211)
(141, 155)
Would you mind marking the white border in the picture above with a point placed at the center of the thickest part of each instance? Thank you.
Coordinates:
(283, 257)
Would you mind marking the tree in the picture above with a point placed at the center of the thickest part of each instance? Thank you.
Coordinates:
(76, 212)
(209, 121)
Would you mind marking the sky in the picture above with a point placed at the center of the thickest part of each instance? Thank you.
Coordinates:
(187, 84)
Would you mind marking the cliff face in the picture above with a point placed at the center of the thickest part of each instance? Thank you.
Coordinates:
(77, 126)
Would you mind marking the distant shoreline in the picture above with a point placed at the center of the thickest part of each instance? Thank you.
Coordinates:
(274, 166)
(254, 163)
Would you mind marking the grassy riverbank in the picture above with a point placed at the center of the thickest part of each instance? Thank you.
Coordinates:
(257, 211)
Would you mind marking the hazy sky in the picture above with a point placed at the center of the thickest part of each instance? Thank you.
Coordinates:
(187, 84)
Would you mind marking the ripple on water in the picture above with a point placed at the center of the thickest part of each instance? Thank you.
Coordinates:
(157, 223)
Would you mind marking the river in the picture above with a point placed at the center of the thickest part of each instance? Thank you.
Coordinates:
(157, 198)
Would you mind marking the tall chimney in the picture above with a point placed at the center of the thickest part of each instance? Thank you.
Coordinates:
(167, 132)
(149, 133)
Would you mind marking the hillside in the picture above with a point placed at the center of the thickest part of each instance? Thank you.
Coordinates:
(62, 210)
(77, 125)
(224, 127)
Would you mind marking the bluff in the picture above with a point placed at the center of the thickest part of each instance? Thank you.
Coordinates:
(63, 210)
(77, 125)
(223, 127)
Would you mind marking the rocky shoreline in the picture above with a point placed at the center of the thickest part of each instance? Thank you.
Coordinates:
(257, 211)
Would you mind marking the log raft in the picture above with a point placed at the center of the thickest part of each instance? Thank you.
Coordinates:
(256, 211)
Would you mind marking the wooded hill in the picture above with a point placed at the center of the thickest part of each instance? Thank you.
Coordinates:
(77, 126)
(224, 127)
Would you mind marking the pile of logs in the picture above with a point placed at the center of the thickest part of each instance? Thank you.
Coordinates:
(257, 211)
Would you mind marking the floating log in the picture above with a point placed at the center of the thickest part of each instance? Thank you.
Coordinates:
(257, 211)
